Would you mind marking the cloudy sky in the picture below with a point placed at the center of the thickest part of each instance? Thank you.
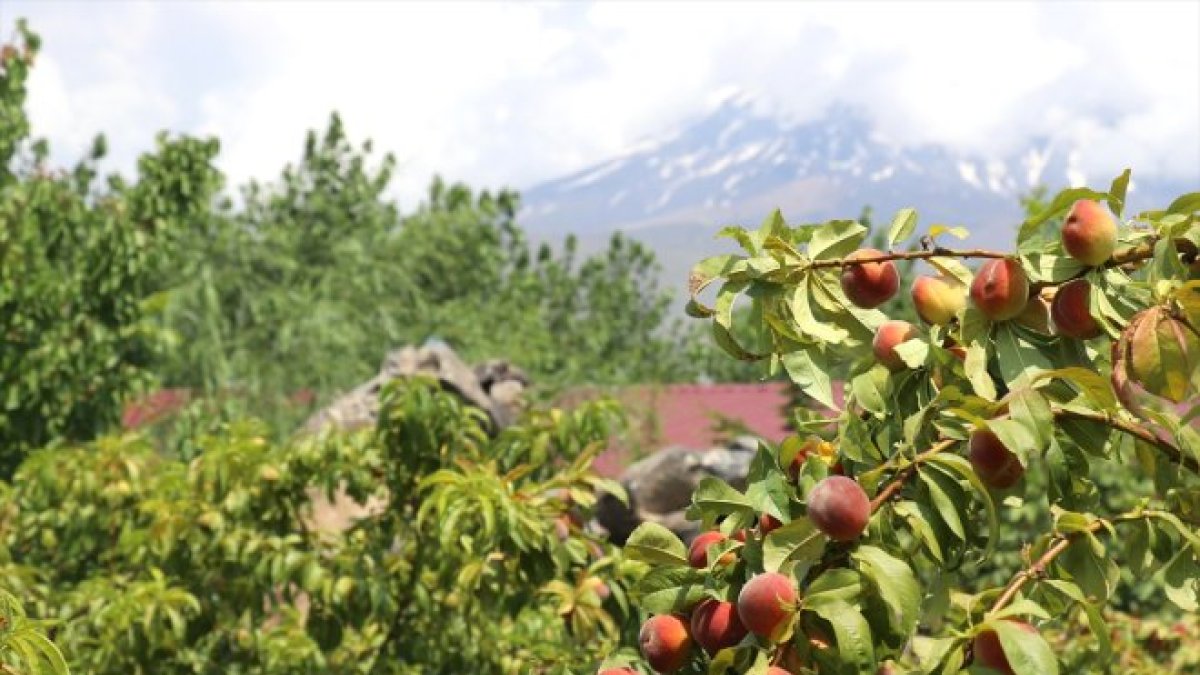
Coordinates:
(511, 94)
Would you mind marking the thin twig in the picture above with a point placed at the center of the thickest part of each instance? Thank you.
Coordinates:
(902, 477)
(1061, 543)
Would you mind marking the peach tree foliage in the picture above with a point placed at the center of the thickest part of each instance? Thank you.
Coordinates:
(942, 440)
(149, 564)
(78, 261)
(24, 647)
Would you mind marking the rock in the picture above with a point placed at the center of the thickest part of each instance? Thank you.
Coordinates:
(495, 387)
(660, 487)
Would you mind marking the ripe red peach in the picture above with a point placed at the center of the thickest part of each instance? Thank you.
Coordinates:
(698, 551)
(618, 671)
(776, 670)
(839, 507)
(871, 284)
(989, 652)
(716, 625)
(1071, 311)
(890, 334)
(1000, 289)
(766, 603)
(938, 299)
(1089, 234)
(665, 642)
(996, 465)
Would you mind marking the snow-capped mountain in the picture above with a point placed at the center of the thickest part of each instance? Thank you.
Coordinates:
(736, 164)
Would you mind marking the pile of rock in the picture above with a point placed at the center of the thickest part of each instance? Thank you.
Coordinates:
(659, 487)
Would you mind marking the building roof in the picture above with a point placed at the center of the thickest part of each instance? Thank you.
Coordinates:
(696, 416)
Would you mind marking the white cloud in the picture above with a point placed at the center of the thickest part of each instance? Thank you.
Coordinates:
(511, 94)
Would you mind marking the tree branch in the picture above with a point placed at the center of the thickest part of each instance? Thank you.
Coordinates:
(910, 255)
(1130, 254)
(902, 477)
(1061, 543)
(1172, 452)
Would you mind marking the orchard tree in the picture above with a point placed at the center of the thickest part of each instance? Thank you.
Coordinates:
(852, 548)
(77, 268)
(480, 561)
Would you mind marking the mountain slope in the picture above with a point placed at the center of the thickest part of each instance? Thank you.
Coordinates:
(735, 164)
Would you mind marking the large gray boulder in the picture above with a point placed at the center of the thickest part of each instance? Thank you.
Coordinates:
(660, 487)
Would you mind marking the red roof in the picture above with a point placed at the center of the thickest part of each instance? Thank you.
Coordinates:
(690, 415)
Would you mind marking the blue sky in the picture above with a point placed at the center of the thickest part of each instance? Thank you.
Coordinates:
(510, 94)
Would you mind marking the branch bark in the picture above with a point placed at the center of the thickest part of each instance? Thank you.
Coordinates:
(902, 477)
(1172, 452)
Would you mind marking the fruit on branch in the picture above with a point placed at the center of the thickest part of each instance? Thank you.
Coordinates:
(776, 670)
(887, 669)
(869, 285)
(938, 299)
(996, 465)
(890, 334)
(665, 642)
(1071, 311)
(1161, 353)
(989, 652)
(767, 603)
(716, 625)
(617, 671)
(1089, 234)
(1000, 289)
(839, 507)
(1036, 316)
(768, 522)
(698, 551)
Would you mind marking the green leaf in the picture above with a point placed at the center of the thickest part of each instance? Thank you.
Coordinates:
(652, 543)
(797, 541)
(666, 590)
(1094, 386)
(958, 232)
(1095, 574)
(852, 632)
(1059, 205)
(1116, 193)
(1096, 623)
(1181, 580)
(838, 585)
(962, 467)
(836, 239)
(921, 528)
(1027, 653)
(809, 370)
(1022, 355)
(940, 488)
(952, 269)
(896, 584)
(1185, 204)
(714, 497)
(902, 226)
